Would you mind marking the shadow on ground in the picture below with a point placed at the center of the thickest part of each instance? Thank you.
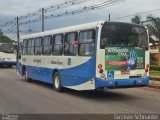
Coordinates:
(100, 95)
(7, 67)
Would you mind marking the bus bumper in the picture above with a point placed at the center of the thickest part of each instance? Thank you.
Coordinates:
(7, 63)
(122, 83)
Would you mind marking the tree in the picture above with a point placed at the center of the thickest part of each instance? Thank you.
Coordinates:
(152, 34)
(4, 39)
(136, 19)
(155, 22)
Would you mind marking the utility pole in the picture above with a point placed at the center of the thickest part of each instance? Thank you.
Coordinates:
(42, 19)
(109, 17)
(17, 30)
(0, 34)
(17, 37)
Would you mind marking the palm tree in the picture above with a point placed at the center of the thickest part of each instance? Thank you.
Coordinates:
(155, 22)
(136, 19)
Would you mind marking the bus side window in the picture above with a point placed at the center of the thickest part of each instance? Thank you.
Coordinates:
(87, 43)
(30, 48)
(38, 46)
(58, 44)
(47, 45)
(24, 47)
(70, 45)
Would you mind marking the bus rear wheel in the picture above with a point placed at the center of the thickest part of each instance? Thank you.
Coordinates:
(57, 82)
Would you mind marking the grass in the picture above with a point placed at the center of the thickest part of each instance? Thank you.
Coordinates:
(154, 73)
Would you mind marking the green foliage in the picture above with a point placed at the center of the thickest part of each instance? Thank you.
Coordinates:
(4, 39)
(155, 67)
(136, 19)
(154, 73)
(155, 23)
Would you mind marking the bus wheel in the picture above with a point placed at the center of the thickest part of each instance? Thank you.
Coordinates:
(57, 82)
(26, 77)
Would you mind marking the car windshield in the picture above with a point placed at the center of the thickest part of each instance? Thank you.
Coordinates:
(7, 48)
(123, 34)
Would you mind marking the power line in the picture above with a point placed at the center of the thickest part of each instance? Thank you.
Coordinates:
(139, 13)
(10, 29)
(8, 23)
(77, 11)
(105, 3)
(65, 4)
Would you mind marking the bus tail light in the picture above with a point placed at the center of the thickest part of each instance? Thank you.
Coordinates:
(146, 70)
(100, 66)
(101, 71)
(147, 66)
(102, 75)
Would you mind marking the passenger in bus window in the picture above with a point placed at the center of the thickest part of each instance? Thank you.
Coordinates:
(81, 50)
(66, 48)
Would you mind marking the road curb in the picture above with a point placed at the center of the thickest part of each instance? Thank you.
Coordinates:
(154, 83)
(157, 78)
(154, 86)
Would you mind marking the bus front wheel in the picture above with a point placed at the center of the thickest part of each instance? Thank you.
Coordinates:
(57, 82)
(9, 66)
(26, 77)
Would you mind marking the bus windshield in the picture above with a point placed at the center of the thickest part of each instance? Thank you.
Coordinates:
(123, 34)
(6, 47)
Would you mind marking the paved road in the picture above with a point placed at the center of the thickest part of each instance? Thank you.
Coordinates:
(18, 96)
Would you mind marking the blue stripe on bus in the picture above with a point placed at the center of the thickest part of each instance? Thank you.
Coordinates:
(7, 63)
(69, 77)
(39, 73)
(79, 74)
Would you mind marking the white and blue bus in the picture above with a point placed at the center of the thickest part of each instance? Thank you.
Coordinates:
(88, 56)
(7, 54)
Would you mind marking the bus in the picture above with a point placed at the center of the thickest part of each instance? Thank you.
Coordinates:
(90, 56)
(7, 54)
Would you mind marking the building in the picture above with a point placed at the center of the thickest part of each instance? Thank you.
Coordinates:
(154, 52)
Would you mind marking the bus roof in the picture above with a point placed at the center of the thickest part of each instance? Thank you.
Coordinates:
(91, 25)
(80, 27)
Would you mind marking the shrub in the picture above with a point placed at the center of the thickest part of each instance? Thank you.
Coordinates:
(153, 67)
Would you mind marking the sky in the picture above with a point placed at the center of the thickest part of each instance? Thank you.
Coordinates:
(9, 9)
